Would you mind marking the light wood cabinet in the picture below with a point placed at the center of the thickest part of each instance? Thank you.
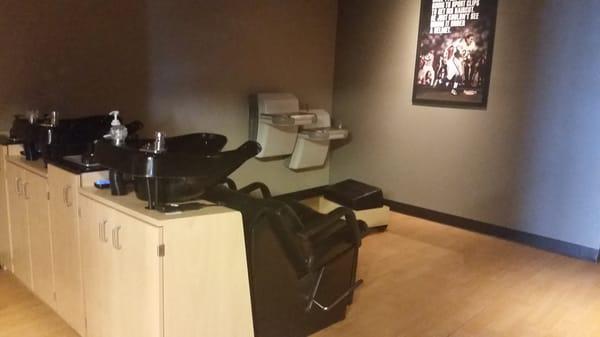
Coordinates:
(163, 275)
(136, 276)
(68, 283)
(121, 273)
(35, 192)
(149, 274)
(111, 268)
(95, 250)
(5, 260)
(21, 257)
(30, 230)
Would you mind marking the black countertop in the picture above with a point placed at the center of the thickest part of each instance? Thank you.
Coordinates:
(60, 163)
(74, 168)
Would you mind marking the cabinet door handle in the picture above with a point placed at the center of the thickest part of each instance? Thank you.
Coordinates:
(25, 190)
(115, 237)
(66, 192)
(18, 185)
(102, 231)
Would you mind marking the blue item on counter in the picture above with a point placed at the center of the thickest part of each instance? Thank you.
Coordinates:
(102, 184)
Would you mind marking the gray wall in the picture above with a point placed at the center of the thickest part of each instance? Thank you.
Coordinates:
(180, 66)
(531, 161)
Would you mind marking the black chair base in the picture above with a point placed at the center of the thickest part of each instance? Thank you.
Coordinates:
(302, 264)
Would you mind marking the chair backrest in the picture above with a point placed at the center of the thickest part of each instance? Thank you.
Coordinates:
(268, 215)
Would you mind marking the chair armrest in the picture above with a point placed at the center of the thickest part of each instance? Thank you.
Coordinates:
(264, 190)
(230, 184)
(330, 219)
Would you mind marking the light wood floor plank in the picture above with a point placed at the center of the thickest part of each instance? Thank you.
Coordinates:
(425, 279)
(422, 279)
(23, 315)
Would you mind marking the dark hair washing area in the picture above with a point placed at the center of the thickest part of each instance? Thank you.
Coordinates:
(301, 263)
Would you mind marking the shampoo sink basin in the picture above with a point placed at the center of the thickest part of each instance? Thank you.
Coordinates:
(184, 171)
(62, 137)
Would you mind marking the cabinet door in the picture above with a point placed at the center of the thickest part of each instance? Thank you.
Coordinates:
(137, 304)
(96, 253)
(68, 282)
(35, 190)
(4, 228)
(21, 258)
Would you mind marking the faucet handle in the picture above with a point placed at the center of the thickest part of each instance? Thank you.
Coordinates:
(160, 141)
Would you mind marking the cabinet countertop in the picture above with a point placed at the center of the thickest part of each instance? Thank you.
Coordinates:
(37, 167)
(132, 206)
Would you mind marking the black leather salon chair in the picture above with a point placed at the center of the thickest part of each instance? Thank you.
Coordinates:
(302, 264)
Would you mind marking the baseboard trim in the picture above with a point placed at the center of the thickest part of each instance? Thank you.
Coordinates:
(533, 240)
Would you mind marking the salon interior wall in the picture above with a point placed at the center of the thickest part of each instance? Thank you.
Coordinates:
(76, 57)
(180, 66)
(206, 57)
(530, 161)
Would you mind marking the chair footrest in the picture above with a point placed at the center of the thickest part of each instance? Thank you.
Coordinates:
(339, 299)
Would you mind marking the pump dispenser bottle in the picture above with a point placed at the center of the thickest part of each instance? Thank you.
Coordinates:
(118, 135)
(118, 132)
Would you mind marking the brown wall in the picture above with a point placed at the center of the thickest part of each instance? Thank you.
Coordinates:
(78, 57)
(180, 66)
(206, 57)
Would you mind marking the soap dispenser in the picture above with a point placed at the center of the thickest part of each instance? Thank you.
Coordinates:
(118, 135)
(118, 132)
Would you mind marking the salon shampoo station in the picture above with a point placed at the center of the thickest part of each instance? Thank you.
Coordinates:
(177, 250)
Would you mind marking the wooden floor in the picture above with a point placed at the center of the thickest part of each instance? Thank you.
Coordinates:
(23, 315)
(422, 279)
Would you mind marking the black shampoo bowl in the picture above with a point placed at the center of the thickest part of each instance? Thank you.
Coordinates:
(194, 143)
(75, 136)
(190, 164)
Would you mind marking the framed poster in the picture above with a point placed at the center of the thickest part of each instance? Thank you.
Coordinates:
(454, 52)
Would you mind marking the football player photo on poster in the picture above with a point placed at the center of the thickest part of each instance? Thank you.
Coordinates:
(454, 52)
